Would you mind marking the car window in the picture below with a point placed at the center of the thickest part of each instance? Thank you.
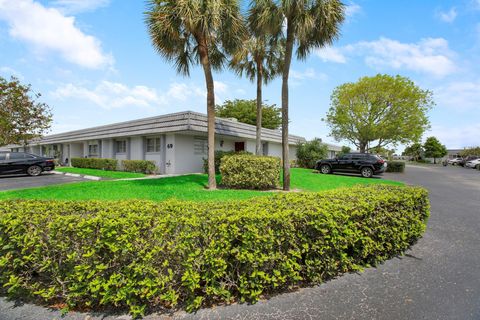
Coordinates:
(29, 156)
(3, 156)
(16, 156)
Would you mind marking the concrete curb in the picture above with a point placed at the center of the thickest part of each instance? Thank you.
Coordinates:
(76, 175)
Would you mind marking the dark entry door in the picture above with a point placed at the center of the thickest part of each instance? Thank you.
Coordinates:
(239, 146)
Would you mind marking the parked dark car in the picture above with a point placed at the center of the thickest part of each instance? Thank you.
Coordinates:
(22, 162)
(364, 163)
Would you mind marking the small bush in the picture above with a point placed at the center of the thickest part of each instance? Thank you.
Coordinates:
(308, 153)
(95, 163)
(219, 154)
(395, 166)
(140, 254)
(250, 172)
(139, 166)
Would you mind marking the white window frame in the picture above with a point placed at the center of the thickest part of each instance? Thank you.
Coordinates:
(124, 143)
(200, 145)
(157, 141)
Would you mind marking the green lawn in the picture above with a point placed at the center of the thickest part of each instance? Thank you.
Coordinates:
(101, 173)
(190, 187)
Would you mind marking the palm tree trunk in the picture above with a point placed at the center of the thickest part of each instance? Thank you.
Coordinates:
(285, 75)
(203, 52)
(363, 146)
(258, 149)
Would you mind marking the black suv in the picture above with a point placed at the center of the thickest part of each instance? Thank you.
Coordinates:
(364, 163)
(22, 162)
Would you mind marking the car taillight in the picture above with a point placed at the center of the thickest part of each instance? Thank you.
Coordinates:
(49, 161)
(381, 161)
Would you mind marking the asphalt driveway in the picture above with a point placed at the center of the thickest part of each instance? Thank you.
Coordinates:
(438, 278)
(10, 182)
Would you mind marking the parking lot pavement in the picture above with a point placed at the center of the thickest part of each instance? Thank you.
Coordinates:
(22, 181)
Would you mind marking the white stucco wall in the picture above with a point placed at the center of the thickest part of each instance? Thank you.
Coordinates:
(186, 161)
(136, 148)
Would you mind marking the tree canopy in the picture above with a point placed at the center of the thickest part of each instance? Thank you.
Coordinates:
(434, 149)
(414, 150)
(246, 111)
(472, 151)
(308, 153)
(22, 116)
(379, 111)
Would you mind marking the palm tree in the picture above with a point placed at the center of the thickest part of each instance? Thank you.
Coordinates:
(260, 58)
(192, 32)
(307, 24)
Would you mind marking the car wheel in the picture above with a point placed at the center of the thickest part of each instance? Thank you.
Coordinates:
(367, 172)
(34, 171)
(325, 169)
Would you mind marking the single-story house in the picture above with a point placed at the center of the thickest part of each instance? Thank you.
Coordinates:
(176, 142)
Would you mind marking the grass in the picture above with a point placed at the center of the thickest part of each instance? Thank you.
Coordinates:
(101, 173)
(189, 187)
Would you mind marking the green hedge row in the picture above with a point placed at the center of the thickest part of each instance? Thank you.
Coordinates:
(395, 166)
(141, 255)
(141, 166)
(246, 171)
(95, 163)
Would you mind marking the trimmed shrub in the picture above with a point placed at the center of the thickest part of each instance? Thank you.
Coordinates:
(219, 154)
(139, 254)
(308, 153)
(95, 163)
(140, 166)
(395, 166)
(250, 172)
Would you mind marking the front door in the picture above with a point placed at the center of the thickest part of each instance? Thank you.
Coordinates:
(239, 146)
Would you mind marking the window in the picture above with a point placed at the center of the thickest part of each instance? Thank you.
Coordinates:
(3, 156)
(16, 156)
(153, 144)
(121, 146)
(93, 149)
(200, 145)
(265, 148)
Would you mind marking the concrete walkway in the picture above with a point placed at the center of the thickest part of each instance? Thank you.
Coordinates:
(439, 278)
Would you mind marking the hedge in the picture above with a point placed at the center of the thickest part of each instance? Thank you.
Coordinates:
(143, 255)
(219, 154)
(395, 166)
(246, 171)
(141, 166)
(95, 163)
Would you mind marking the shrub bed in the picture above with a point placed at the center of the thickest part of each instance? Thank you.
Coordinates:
(395, 166)
(219, 154)
(246, 171)
(95, 163)
(140, 254)
(139, 166)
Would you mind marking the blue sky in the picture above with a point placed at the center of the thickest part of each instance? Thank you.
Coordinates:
(93, 62)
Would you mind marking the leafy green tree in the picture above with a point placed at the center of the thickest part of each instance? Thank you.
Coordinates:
(472, 151)
(306, 24)
(22, 116)
(308, 153)
(246, 111)
(379, 110)
(189, 33)
(434, 149)
(259, 58)
(414, 150)
(345, 150)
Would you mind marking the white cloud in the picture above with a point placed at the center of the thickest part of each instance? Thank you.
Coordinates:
(352, 9)
(463, 95)
(48, 30)
(8, 72)
(77, 6)
(448, 16)
(309, 73)
(110, 95)
(331, 54)
(456, 137)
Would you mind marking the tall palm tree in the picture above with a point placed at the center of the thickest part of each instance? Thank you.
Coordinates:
(259, 58)
(307, 24)
(192, 32)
